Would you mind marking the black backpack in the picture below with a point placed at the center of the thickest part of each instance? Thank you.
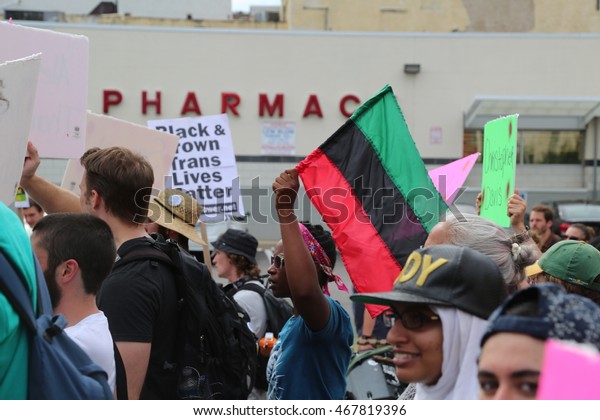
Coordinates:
(278, 312)
(58, 368)
(216, 350)
(278, 309)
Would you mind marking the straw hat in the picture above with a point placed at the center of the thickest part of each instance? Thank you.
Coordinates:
(176, 210)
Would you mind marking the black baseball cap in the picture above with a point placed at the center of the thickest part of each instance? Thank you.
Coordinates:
(237, 242)
(446, 275)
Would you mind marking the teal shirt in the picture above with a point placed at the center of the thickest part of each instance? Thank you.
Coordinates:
(311, 365)
(14, 345)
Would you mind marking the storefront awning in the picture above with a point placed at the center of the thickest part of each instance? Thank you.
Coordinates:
(535, 113)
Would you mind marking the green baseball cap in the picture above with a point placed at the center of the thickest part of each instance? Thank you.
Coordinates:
(575, 262)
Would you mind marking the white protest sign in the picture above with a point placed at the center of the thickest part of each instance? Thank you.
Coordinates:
(104, 131)
(205, 165)
(18, 81)
(59, 115)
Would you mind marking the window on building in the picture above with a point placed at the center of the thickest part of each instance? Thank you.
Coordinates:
(536, 146)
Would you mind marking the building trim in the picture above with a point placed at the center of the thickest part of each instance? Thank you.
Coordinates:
(302, 33)
(535, 113)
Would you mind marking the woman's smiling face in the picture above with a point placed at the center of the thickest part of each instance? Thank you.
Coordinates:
(418, 354)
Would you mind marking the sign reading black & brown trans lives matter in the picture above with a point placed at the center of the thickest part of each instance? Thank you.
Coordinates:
(204, 165)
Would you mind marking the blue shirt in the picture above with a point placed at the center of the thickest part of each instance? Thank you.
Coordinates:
(311, 365)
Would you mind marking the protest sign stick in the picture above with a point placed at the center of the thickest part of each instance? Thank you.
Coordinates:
(205, 250)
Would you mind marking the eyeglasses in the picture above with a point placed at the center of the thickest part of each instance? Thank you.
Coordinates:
(277, 261)
(573, 238)
(411, 319)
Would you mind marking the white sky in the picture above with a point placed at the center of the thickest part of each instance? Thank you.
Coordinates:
(244, 5)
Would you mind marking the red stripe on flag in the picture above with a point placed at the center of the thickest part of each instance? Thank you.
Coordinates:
(355, 236)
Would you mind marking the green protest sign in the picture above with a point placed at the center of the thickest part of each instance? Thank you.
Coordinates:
(499, 163)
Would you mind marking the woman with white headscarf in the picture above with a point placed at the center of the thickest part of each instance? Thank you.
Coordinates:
(440, 302)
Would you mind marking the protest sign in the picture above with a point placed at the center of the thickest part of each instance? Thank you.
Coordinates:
(18, 81)
(22, 199)
(205, 165)
(104, 131)
(499, 165)
(59, 114)
(570, 372)
(278, 138)
(448, 179)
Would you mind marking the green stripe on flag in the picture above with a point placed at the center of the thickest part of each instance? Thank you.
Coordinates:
(382, 123)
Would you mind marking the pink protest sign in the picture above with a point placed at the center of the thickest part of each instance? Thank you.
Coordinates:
(449, 178)
(569, 372)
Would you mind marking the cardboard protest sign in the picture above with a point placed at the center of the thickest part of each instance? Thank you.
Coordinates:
(499, 165)
(205, 165)
(59, 114)
(104, 131)
(448, 179)
(569, 372)
(18, 81)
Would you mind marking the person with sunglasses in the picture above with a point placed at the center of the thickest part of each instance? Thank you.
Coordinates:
(440, 302)
(312, 355)
(579, 232)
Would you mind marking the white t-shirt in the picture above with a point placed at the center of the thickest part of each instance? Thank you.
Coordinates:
(93, 336)
(253, 304)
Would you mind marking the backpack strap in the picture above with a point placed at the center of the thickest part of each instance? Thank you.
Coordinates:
(254, 287)
(156, 249)
(13, 287)
(148, 250)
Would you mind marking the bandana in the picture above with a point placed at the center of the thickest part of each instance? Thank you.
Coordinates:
(320, 257)
(560, 315)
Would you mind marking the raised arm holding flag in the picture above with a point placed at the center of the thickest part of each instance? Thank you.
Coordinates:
(371, 186)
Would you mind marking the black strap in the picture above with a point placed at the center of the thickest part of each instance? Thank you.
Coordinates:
(13, 286)
(144, 251)
(150, 250)
(254, 287)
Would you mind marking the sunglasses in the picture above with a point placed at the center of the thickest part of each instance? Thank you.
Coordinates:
(573, 238)
(411, 319)
(277, 261)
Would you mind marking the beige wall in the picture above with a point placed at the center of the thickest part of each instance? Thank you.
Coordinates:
(541, 16)
(455, 69)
